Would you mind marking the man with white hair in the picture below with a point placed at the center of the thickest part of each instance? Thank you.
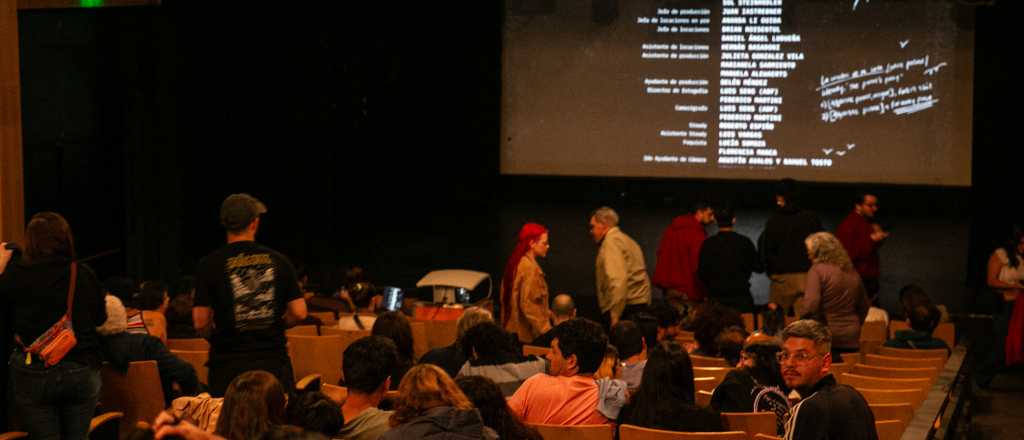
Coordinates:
(623, 287)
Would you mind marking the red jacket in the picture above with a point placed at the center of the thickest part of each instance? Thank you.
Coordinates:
(678, 255)
(855, 234)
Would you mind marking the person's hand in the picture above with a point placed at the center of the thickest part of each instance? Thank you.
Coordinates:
(772, 306)
(879, 235)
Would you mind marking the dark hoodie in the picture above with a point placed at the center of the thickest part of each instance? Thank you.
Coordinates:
(678, 254)
(781, 245)
(443, 423)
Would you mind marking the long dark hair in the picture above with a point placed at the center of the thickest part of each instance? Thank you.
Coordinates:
(666, 386)
(493, 407)
(395, 326)
(48, 237)
(1016, 235)
(253, 403)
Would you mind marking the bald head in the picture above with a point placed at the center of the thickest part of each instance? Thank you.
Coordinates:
(563, 307)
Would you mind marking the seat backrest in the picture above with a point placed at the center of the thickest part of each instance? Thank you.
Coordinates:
(420, 344)
(326, 317)
(535, 350)
(858, 381)
(913, 396)
(703, 398)
(336, 393)
(309, 382)
(751, 423)
(868, 346)
(705, 383)
(316, 355)
(893, 372)
(892, 411)
(631, 432)
(440, 333)
(716, 372)
(889, 429)
(197, 359)
(137, 393)
(905, 362)
(841, 367)
(766, 437)
(915, 353)
(874, 331)
(851, 358)
(578, 432)
(11, 435)
(194, 344)
(302, 330)
(705, 361)
(106, 426)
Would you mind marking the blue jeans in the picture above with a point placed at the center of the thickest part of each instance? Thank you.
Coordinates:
(56, 402)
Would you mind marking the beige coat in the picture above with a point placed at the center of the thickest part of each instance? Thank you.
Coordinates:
(621, 274)
(528, 304)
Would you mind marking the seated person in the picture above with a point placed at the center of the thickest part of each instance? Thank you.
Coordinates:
(632, 348)
(709, 320)
(314, 411)
(395, 326)
(153, 301)
(488, 399)
(568, 394)
(360, 297)
(665, 399)
(562, 309)
(610, 367)
(121, 348)
(668, 319)
(450, 358)
(179, 315)
(758, 379)
(923, 320)
(829, 410)
(127, 291)
(730, 344)
(430, 405)
(495, 354)
(367, 365)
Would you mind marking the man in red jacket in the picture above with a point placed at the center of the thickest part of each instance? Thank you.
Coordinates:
(678, 252)
(862, 237)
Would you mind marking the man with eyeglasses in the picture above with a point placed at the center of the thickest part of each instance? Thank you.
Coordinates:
(861, 235)
(828, 410)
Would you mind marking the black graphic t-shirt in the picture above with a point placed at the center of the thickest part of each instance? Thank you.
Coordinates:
(248, 286)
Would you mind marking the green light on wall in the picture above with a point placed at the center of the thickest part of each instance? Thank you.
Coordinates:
(90, 3)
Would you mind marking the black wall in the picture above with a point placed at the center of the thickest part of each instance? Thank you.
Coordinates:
(371, 132)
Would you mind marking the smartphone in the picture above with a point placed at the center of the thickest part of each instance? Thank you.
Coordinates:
(393, 297)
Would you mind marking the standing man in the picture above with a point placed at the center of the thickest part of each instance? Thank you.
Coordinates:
(622, 284)
(727, 260)
(862, 237)
(245, 293)
(828, 411)
(678, 255)
(784, 253)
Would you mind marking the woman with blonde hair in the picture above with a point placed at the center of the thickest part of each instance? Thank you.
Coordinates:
(431, 404)
(834, 294)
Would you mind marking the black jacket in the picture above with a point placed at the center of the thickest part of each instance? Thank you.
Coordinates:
(781, 244)
(831, 412)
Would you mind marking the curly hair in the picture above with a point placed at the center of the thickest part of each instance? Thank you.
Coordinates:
(825, 248)
(426, 386)
(493, 407)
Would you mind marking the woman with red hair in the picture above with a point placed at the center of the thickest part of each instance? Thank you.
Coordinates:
(524, 292)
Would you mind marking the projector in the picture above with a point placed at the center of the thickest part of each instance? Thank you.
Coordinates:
(453, 286)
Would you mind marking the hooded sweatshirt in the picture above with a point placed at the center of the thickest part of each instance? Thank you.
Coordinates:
(678, 255)
(443, 422)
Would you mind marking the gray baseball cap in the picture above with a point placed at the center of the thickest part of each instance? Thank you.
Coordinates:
(238, 210)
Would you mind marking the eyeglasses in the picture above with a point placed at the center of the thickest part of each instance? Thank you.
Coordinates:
(799, 357)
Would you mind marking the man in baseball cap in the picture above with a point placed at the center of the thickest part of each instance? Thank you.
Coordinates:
(244, 294)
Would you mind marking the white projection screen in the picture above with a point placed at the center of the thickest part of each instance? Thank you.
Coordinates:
(866, 91)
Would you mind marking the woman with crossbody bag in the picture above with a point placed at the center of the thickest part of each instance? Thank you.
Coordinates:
(55, 307)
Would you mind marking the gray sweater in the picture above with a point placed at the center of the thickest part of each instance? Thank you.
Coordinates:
(839, 296)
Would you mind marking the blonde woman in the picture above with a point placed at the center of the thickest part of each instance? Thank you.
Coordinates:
(430, 404)
(834, 293)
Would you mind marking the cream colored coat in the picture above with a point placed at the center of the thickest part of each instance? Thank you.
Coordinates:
(621, 273)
